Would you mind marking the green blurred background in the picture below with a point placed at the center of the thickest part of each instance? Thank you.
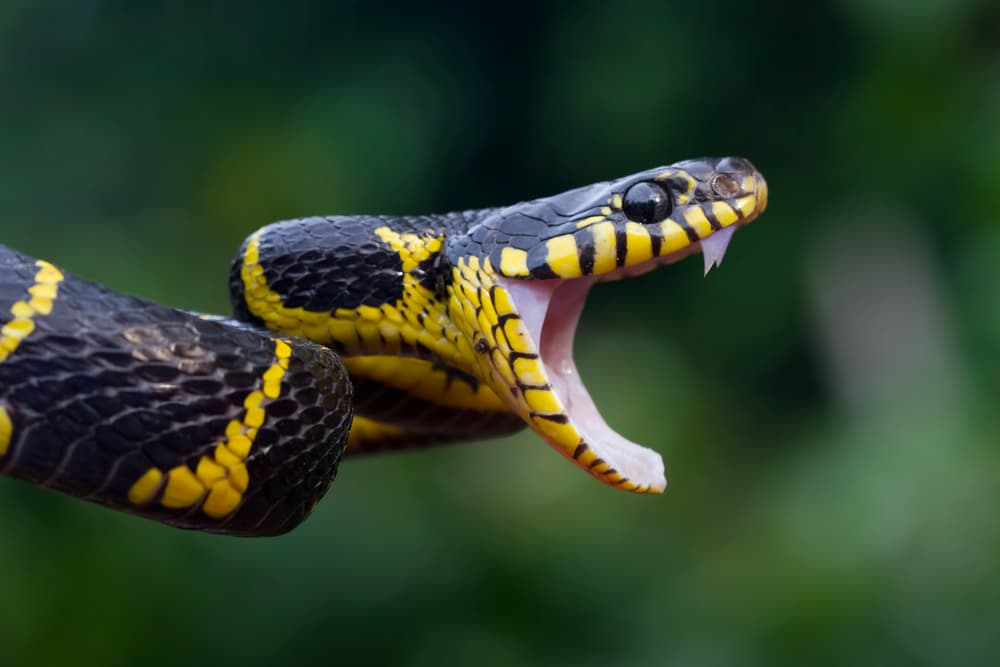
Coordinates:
(825, 403)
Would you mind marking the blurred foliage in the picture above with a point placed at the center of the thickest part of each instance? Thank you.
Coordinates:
(825, 403)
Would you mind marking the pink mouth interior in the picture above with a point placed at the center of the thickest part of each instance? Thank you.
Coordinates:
(550, 311)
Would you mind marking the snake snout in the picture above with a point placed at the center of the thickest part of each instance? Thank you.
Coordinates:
(761, 190)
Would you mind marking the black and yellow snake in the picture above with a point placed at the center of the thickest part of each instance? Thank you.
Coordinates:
(351, 334)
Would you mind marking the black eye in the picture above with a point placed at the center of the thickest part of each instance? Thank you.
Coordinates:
(646, 202)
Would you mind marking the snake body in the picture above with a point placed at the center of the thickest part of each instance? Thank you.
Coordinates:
(351, 334)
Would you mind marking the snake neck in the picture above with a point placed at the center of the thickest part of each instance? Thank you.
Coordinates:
(362, 285)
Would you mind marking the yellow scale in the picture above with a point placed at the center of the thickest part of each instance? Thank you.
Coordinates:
(368, 336)
(41, 297)
(220, 479)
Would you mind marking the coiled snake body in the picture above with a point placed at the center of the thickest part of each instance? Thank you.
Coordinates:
(351, 334)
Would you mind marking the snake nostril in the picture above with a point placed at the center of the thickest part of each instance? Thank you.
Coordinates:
(725, 185)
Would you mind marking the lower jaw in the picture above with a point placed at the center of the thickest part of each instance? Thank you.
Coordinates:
(550, 311)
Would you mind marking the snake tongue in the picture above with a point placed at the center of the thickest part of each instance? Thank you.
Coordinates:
(713, 247)
(550, 311)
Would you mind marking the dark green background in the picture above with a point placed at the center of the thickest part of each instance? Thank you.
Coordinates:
(825, 403)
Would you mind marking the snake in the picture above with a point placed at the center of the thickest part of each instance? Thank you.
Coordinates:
(349, 334)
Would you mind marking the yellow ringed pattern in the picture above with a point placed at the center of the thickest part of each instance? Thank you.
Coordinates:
(515, 370)
(41, 297)
(384, 330)
(38, 303)
(6, 429)
(422, 380)
(220, 480)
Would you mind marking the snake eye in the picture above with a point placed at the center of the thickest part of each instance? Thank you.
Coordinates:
(646, 202)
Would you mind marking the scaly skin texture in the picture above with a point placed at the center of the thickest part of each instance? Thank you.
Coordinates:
(132, 405)
(417, 307)
(374, 289)
(361, 332)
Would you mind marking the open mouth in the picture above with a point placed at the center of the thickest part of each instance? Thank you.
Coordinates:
(550, 312)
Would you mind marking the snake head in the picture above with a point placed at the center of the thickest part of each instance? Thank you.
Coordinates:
(630, 225)
(526, 271)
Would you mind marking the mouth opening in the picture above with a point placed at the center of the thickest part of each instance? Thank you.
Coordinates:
(550, 311)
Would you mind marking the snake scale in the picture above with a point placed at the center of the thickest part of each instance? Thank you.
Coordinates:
(350, 334)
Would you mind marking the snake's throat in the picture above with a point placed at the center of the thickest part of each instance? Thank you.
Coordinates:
(550, 311)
